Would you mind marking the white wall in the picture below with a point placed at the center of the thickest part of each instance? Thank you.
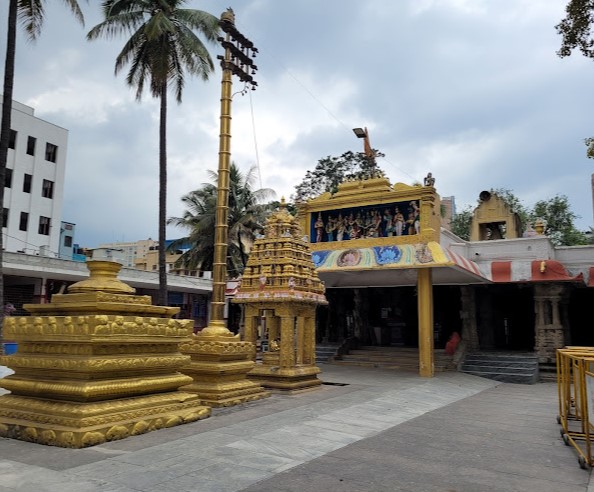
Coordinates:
(26, 124)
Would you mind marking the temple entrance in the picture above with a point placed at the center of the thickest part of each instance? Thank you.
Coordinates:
(393, 316)
(386, 316)
(505, 317)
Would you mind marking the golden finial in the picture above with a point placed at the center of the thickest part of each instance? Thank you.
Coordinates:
(228, 16)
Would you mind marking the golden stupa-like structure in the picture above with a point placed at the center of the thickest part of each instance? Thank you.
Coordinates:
(96, 364)
(280, 290)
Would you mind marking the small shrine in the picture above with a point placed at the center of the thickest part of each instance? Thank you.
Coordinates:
(280, 291)
(94, 365)
(494, 219)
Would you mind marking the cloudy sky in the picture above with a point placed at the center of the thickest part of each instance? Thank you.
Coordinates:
(470, 90)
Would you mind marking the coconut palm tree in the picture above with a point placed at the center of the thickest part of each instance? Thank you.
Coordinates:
(161, 49)
(31, 13)
(247, 212)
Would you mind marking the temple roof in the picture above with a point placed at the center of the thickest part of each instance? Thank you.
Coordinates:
(280, 266)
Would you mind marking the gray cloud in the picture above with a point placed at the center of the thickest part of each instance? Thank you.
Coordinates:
(471, 90)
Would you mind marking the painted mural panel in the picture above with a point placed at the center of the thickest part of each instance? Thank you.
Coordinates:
(404, 256)
(349, 224)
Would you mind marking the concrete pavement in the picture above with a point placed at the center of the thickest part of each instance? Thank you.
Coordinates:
(370, 430)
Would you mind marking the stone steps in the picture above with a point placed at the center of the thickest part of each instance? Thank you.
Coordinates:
(325, 353)
(403, 358)
(506, 367)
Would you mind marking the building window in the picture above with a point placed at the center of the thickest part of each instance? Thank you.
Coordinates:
(12, 139)
(8, 178)
(31, 141)
(27, 183)
(4, 217)
(51, 152)
(68, 241)
(44, 225)
(47, 189)
(24, 221)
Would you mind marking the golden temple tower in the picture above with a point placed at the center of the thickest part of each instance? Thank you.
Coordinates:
(96, 364)
(281, 286)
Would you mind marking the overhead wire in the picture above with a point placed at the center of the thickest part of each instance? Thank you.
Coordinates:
(317, 100)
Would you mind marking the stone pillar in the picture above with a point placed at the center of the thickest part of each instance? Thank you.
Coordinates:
(287, 346)
(309, 356)
(273, 327)
(425, 308)
(300, 339)
(468, 316)
(252, 316)
(549, 331)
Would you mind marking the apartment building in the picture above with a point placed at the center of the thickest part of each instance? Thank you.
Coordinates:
(132, 251)
(34, 185)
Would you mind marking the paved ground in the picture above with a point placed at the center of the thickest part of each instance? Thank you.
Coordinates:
(381, 431)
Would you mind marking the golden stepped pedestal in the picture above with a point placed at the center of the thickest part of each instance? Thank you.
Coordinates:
(219, 367)
(94, 366)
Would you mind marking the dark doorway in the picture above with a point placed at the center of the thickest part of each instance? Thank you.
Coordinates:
(446, 313)
(505, 317)
(393, 316)
(580, 316)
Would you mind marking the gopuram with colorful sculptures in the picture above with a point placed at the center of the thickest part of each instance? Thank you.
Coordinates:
(280, 291)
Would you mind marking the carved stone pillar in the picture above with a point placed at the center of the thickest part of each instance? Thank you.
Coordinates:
(549, 330)
(300, 339)
(287, 345)
(252, 318)
(309, 337)
(468, 317)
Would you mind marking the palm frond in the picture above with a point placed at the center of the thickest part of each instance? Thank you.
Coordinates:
(31, 15)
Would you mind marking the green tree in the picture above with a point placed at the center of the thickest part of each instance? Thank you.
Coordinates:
(31, 14)
(162, 48)
(576, 32)
(331, 171)
(247, 213)
(461, 222)
(559, 219)
(576, 28)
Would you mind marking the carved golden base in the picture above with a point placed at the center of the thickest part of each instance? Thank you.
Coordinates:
(217, 394)
(79, 425)
(286, 379)
(219, 368)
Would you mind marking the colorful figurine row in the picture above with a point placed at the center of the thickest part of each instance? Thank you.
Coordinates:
(368, 224)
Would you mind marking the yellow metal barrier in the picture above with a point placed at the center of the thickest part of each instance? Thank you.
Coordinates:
(575, 386)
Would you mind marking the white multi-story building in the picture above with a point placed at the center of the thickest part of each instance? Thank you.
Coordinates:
(34, 186)
(131, 251)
